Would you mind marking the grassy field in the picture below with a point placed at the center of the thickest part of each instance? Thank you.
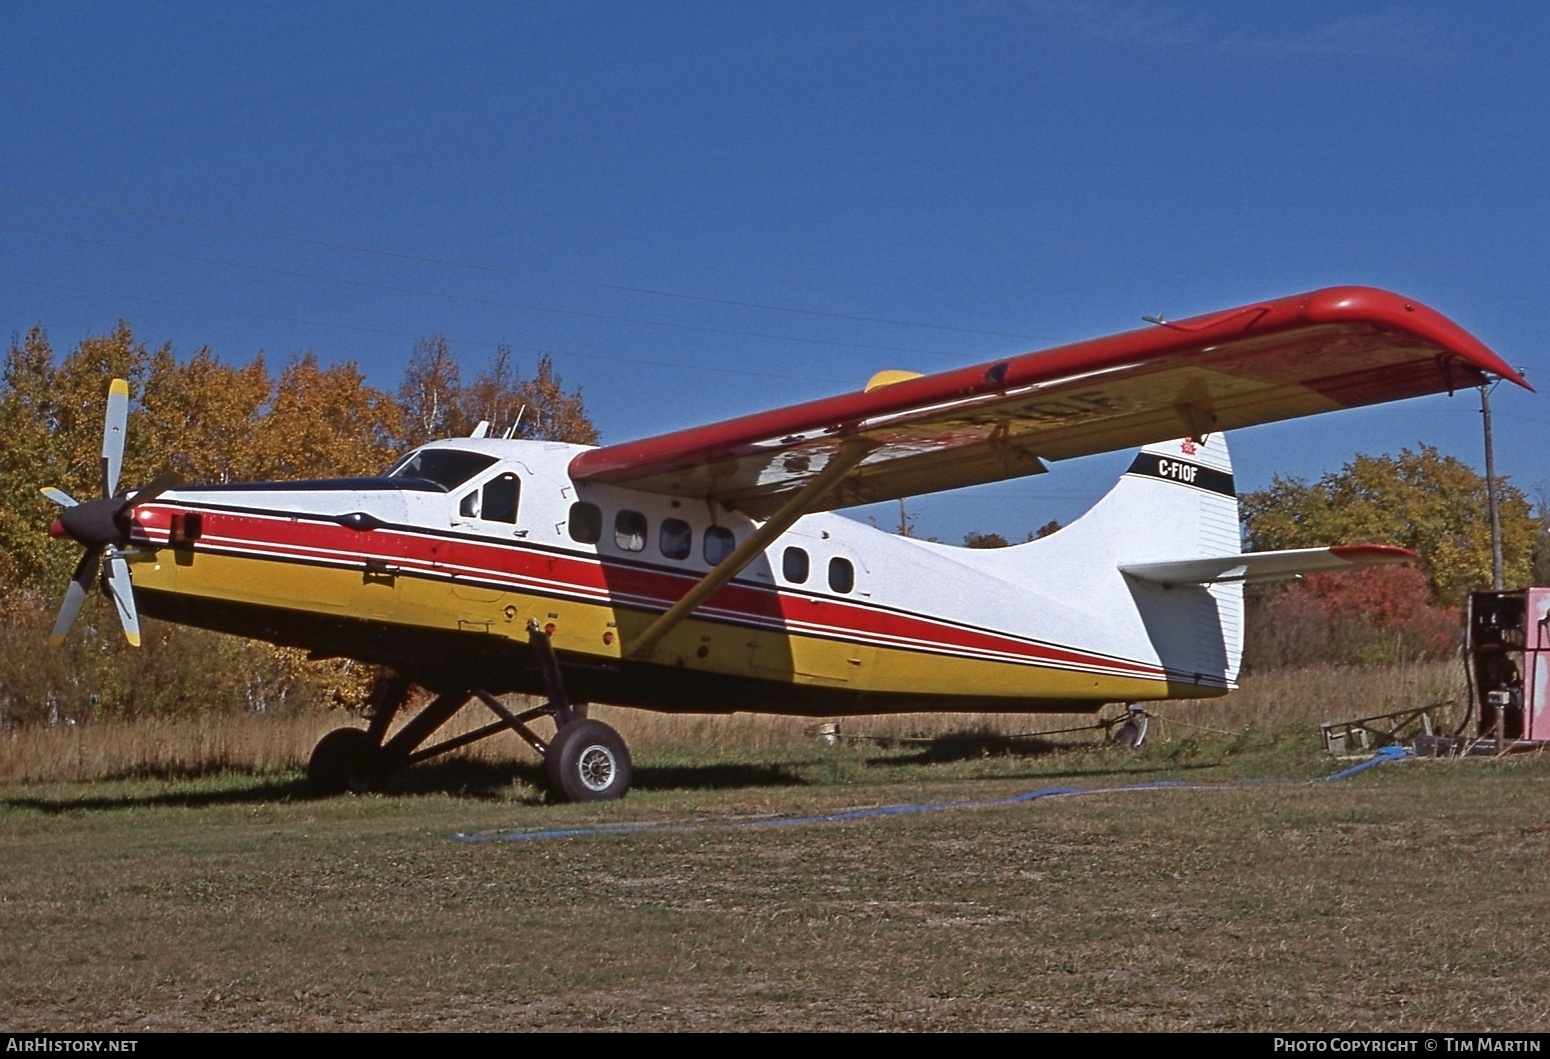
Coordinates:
(1407, 897)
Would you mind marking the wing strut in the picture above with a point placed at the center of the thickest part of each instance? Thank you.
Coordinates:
(806, 500)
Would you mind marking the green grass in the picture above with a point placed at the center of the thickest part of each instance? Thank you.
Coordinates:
(1409, 897)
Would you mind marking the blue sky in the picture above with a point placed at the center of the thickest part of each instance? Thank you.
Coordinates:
(703, 210)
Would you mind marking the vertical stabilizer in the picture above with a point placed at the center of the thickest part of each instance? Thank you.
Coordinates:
(1176, 501)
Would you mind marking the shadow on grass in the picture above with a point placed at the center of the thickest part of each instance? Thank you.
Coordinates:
(969, 746)
(263, 790)
(475, 780)
(715, 777)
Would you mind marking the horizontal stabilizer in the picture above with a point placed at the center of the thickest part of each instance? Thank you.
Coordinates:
(1267, 566)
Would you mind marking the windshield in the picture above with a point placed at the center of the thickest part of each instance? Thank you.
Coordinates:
(448, 468)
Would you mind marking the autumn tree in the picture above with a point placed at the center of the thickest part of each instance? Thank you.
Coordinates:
(51, 418)
(1376, 615)
(210, 422)
(557, 414)
(975, 539)
(325, 423)
(431, 393)
(438, 404)
(1423, 500)
(203, 419)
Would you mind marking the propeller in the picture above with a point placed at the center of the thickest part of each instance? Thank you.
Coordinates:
(102, 525)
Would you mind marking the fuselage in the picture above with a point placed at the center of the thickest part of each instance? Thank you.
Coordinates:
(438, 568)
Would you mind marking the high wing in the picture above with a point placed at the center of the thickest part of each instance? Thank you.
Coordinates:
(1342, 347)
(1268, 566)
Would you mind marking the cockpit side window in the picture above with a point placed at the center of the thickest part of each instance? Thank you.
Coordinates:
(448, 468)
(794, 565)
(501, 494)
(842, 575)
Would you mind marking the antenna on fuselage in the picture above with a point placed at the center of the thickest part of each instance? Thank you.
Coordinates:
(482, 429)
(515, 423)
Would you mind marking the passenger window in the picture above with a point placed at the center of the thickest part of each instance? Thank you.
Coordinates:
(676, 538)
(794, 565)
(500, 498)
(630, 531)
(469, 508)
(842, 576)
(719, 543)
(586, 523)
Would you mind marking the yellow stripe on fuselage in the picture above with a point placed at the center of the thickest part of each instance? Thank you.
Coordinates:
(598, 629)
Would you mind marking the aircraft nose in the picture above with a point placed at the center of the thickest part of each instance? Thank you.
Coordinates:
(56, 529)
(95, 523)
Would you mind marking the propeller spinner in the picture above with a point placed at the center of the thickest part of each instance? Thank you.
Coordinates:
(102, 525)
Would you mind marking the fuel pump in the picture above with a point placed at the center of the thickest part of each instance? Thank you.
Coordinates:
(1508, 664)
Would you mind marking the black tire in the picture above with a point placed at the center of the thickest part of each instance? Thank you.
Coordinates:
(344, 760)
(587, 762)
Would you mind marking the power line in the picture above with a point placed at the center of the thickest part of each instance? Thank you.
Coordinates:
(367, 329)
(522, 273)
(86, 240)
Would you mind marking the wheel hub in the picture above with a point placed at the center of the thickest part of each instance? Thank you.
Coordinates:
(597, 767)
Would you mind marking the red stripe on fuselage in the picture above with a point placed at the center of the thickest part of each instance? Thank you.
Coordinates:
(526, 567)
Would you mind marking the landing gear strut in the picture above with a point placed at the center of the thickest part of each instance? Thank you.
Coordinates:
(585, 761)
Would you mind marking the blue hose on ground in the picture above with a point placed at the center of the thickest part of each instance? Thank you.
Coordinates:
(1386, 754)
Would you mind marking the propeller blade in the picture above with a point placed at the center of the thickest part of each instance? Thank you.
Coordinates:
(75, 595)
(158, 485)
(60, 497)
(123, 596)
(113, 434)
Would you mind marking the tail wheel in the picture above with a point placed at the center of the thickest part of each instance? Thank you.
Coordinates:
(345, 759)
(587, 762)
(1132, 734)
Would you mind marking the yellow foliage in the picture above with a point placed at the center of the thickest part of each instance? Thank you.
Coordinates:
(1426, 501)
(210, 422)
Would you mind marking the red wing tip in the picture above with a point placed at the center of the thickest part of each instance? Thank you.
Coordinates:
(1374, 303)
(1373, 553)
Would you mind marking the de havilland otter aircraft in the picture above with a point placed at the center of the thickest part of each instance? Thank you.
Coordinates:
(701, 570)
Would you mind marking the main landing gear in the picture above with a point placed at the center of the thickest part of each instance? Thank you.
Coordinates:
(585, 760)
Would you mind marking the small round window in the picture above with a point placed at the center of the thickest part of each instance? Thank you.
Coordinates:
(675, 538)
(794, 565)
(842, 576)
(719, 543)
(630, 531)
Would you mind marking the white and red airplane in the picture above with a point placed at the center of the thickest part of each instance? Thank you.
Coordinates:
(701, 571)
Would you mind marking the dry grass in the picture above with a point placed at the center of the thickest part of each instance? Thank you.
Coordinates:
(1321, 693)
(260, 743)
(1402, 900)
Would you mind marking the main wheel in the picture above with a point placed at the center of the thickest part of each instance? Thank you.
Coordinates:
(587, 762)
(344, 760)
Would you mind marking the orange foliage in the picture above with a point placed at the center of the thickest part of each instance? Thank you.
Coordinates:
(1374, 615)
